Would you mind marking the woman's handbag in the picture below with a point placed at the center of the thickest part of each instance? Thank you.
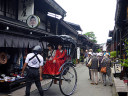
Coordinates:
(103, 70)
(89, 63)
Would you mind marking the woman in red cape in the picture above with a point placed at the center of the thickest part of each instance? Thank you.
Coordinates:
(52, 66)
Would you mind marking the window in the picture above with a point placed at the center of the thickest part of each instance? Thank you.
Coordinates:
(8, 8)
(48, 26)
(1, 7)
(11, 8)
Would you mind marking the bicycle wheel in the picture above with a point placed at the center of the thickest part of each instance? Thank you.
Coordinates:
(68, 80)
(46, 84)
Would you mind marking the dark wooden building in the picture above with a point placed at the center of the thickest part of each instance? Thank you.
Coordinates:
(17, 39)
(86, 44)
(120, 33)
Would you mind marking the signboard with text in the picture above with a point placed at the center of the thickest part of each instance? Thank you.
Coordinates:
(117, 68)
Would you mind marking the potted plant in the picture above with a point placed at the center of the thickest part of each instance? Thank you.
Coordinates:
(116, 63)
(74, 61)
(124, 64)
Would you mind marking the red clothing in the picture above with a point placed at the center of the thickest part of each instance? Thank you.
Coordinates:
(53, 68)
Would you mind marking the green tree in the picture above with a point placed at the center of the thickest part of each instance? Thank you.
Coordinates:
(99, 50)
(91, 36)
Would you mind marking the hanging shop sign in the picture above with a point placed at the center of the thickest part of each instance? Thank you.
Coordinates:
(33, 21)
(78, 52)
(117, 68)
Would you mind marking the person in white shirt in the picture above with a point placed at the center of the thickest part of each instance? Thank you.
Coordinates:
(34, 63)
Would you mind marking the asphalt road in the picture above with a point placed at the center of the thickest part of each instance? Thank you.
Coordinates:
(84, 88)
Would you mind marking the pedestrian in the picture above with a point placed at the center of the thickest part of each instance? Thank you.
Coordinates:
(86, 54)
(87, 61)
(33, 63)
(94, 69)
(100, 57)
(107, 52)
(90, 50)
(106, 62)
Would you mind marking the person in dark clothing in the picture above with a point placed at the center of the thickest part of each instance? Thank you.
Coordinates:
(86, 62)
(34, 63)
(94, 69)
(86, 54)
(106, 62)
(100, 57)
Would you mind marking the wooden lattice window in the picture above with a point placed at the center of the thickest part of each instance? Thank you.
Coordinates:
(8, 8)
(127, 12)
(11, 8)
(1, 7)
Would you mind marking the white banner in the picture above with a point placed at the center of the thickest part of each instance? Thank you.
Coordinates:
(78, 52)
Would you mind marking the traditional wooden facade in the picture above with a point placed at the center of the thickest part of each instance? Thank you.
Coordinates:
(120, 32)
(17, 38)
(110, 42)
(13, 16)
(85, 43)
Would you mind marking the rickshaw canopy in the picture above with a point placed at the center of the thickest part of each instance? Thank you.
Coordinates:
(59, 39)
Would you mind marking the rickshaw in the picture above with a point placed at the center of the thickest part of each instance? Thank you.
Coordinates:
(68, 76)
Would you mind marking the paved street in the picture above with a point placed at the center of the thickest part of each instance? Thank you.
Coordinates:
(84, 87)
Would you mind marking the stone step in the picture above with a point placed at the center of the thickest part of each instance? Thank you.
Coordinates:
(120, 85)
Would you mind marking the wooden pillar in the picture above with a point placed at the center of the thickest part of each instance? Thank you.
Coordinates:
(57, 27)
(117, 43)
(5, 7)
(120, 45)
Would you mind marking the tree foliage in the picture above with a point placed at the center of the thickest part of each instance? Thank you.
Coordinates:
(99, 50)
(91, 36)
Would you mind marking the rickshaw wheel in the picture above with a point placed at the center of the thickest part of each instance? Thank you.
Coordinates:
(68, 80)
(47, 83)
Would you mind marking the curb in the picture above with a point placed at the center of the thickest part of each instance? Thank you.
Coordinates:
(114, 93)
(113, 88)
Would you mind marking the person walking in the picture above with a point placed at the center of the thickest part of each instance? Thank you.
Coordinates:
(90, 50)
(106, 52)
(86, 54)
(100, 57)
(94, 69)
(87, 61)
(34, 63)
(106, 62)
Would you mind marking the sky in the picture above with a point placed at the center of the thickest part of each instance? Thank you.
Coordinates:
(92, 15)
